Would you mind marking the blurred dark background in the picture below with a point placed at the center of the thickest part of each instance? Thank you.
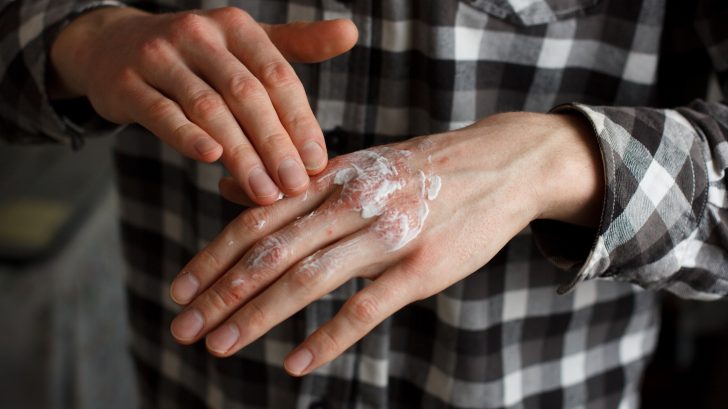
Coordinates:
(62, 301)
(61, 288)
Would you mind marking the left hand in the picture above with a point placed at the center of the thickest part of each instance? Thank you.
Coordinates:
(378, 214)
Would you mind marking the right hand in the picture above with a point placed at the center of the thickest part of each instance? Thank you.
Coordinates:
(210, 84)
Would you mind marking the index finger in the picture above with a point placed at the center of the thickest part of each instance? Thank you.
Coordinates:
(286, 93)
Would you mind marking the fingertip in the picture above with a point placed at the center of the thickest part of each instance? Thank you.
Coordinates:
(261, 186)
(297, 363)
(316, 171)
(265, 201)
(314, 157)
(345, 33)
(292, 176)
(348, 32)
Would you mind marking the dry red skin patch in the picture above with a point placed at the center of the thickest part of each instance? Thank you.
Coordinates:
(268, 252)
(381, 183)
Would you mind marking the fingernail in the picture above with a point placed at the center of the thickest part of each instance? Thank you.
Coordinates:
(184, 288)
(312, 155)
(261, 184)
(187, 325)
(299, 361)
(291, 174)
(223, 338)
(205, 146)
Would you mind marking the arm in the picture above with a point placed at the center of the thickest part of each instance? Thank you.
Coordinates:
(665, 214)
(664, 218)
(211, 84)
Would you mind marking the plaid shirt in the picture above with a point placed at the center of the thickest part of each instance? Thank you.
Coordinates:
(559, 318)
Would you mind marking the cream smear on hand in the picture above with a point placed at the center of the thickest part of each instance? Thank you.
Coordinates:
(380, 182)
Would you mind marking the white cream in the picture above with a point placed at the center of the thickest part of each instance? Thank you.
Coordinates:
(267, 252)
(323, 262)
(369, 180)
(375, 183)
(434, 187)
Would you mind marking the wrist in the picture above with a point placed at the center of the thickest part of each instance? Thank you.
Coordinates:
(71, 55)
(570, 173)
(496, 157)
(547, 166)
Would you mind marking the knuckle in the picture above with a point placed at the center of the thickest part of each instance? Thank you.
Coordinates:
(232, 15)
(153, 49)
(160, 109)
(364, 310)
(206, 105)
(209, 260)
(254, 219)
(221, 299)
(326, 341)
(311, 271)
(126, 77)
(256, 318)
(276, 140)
(277, 74)
(239, 155)
(267, 254)
(235, 284)
(190, 26)
(300, 122)
(244, 87)
(181, 136)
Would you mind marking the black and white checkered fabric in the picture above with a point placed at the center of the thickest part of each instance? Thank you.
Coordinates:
(555, 320)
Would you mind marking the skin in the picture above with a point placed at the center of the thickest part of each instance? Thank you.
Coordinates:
(497, 176)
(247, 108)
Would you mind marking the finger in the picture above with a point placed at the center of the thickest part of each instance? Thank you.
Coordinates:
(231, 191)
(235, 239)
(386, 295)
(312, 42)
(208, 110)
(263, 264)
(165, 119)
(309, 280)
(250, 102)
(288, 98)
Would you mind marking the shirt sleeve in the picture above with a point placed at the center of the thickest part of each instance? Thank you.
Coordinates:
(664, 222)
(27, 31)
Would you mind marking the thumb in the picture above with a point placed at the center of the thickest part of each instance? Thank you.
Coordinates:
(312, 42)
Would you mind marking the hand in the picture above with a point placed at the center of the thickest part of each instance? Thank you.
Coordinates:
(413, 217)
(209, 84)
